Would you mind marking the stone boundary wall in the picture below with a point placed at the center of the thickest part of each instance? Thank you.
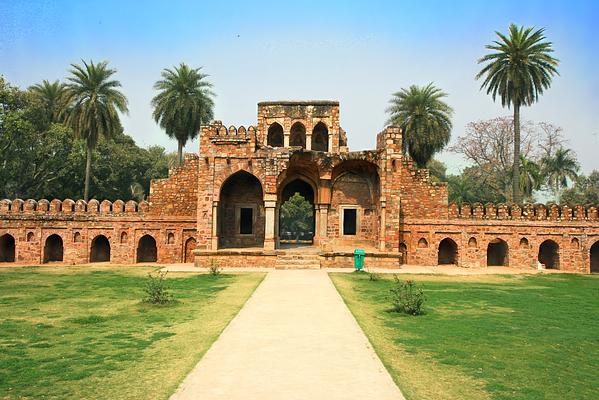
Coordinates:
(421, 240)
(122, 227)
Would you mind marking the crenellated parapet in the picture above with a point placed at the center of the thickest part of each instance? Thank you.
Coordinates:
(527, 212)
(58, 207)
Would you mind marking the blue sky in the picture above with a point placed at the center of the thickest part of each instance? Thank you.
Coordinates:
(356, 52)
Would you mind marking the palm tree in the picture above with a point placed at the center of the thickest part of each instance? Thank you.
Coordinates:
(183, 104)
(51, 95)
(519, 69)
(530, 176)
(93, 102)
(424, 118)
(559, 168)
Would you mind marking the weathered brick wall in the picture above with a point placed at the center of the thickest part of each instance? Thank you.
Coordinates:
(176, 195)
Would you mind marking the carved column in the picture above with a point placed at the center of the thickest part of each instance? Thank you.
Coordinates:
(214, 225)
(269, 229)
(286, 139)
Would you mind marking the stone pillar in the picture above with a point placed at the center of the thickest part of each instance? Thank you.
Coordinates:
(324, 216)
(330, 142)
(214, 225)
(269, 229)
(316, 238)
(308, 141)
(383, 228)
(286, 139)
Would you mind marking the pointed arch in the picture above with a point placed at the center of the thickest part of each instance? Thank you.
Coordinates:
(297, 135)
(241, 218)
(320, 137)
(448, 252)
(53, 248)
(7, 248)
(275, 136)
(497, 253)
(100, 249)
(146, 249)
(549, 254)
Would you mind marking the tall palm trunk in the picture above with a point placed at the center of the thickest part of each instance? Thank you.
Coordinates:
(516, 198)
(180, 152)
(88, 169)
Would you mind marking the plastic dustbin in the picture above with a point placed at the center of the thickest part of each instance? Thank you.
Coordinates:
(359, 259)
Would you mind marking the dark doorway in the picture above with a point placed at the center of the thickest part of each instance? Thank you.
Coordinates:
(350, 221)
(146, 249)
(320, 137)
(595, 257)
(549, 254)
(190, 246)
(7, 248)
(497, 253)
(246, 220)
(448, 252)
(100, 250)
(53, 249)
(296, 216)
(275, 136)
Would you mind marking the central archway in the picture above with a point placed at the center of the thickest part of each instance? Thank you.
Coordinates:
(296, 215)
(7, 248)
(53, 249)
(100, 249)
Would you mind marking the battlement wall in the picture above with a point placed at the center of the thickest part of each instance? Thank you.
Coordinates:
(527, 212)
(58, 207)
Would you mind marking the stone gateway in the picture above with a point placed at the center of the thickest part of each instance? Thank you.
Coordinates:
(225, 203)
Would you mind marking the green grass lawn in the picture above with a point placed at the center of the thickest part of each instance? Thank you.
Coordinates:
(485, 337)
(83, 333)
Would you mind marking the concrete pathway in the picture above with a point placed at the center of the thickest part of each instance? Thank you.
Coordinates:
(293, 339)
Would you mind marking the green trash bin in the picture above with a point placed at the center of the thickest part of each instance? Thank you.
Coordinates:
(359, 259)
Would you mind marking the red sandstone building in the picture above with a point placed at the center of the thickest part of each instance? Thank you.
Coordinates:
(224, 204)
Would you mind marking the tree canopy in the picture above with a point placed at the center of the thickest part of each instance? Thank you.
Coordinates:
(41, 160)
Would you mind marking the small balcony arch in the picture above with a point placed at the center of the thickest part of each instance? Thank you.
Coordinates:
(274, 137)
(320, 137)
(297, 135)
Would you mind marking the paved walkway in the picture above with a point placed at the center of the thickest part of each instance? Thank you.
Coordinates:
(294, 339)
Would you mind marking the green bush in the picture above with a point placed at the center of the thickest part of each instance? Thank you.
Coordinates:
(407, 297)
(156, 289)
(214, 268)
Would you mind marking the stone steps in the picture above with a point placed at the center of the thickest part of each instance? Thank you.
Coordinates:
(297, 261)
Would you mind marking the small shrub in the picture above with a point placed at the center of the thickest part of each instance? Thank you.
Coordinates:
(157, 289)
(407, 297)
(214, 268)
(373, 276)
